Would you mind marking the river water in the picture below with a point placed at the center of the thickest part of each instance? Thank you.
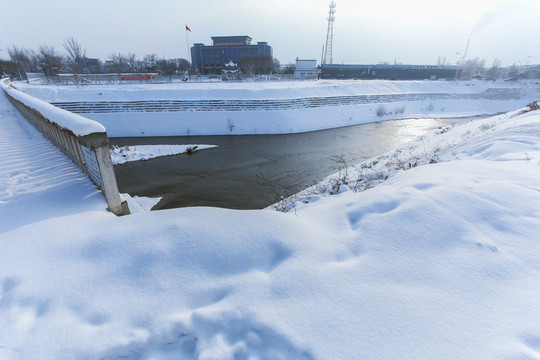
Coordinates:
(253, 171)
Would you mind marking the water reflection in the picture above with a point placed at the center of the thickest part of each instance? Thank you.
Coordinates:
(253, 171)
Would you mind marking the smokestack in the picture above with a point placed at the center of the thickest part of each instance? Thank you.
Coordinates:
(465, 52)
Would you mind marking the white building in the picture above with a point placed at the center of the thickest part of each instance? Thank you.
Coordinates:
(306, 69)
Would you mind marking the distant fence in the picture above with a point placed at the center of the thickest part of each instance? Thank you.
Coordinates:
(82, 140)
(146, 78)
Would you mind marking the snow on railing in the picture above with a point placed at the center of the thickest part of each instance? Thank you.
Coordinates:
(82, 140)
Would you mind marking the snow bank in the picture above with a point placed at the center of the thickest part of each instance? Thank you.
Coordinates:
(121, 155)
(439, 261)
(79, 125)
(426, 149)
(260, 90)
(138, 204)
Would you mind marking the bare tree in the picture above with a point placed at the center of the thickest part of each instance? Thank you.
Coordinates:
(512, 72)
(289, 69)
(131, 60)
(258, 65)
(23, 60)
(247, 65)
(8, 68)
(172, 66)
(182, 65)
(51, 62)
(126, 63)
(495, 71)
(275, 65)
(150, 62)
(120, 63)
(76, 55)
(472, 68)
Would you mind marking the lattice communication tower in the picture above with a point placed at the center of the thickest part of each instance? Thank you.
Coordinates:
(327, 59)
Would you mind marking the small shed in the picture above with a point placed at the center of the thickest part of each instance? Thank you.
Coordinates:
(306, 69)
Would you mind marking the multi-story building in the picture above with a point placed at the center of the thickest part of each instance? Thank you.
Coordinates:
(212, 58)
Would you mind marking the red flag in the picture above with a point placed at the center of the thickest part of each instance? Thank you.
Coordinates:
(188, 29)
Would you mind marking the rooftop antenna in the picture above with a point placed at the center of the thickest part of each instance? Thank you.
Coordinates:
(329, 34)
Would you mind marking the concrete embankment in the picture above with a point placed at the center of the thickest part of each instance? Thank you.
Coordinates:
(276, 108)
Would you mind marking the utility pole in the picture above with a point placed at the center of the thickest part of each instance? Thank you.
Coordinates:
(329, 34)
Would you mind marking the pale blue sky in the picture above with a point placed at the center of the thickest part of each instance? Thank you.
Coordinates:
(411, 32)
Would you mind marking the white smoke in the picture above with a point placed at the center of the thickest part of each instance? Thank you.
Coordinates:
(505, 8)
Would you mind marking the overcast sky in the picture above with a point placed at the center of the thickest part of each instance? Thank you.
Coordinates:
(366, 32)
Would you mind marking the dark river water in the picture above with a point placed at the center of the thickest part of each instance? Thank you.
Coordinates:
(253, 171)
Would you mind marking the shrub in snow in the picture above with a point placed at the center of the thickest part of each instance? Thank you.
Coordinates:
(532, 107)
(399, 109)
(443, 129)
(486, 127)
(340, 185)
(230, 124)
(381, 110)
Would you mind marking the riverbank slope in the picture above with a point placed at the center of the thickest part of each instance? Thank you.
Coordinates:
(277, 107)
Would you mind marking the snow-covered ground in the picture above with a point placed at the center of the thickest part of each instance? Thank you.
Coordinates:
(277, 107)
(440, 261)
(262, 90)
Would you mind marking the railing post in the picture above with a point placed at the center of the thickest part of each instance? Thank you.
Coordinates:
(97, 158)
(110, 187)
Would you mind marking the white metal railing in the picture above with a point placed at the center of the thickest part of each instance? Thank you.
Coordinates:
(82, 140)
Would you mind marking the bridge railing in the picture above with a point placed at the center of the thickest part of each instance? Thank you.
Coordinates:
(82, 140)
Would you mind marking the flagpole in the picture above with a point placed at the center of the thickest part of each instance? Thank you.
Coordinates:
(187, 45)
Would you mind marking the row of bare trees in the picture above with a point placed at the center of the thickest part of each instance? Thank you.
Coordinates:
(46, 60)
(149, 63)
(476, 68)
(49, 61)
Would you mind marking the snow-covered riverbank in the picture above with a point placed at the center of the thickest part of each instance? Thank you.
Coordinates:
(262, 90)
(438, 261)
(277, 107)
